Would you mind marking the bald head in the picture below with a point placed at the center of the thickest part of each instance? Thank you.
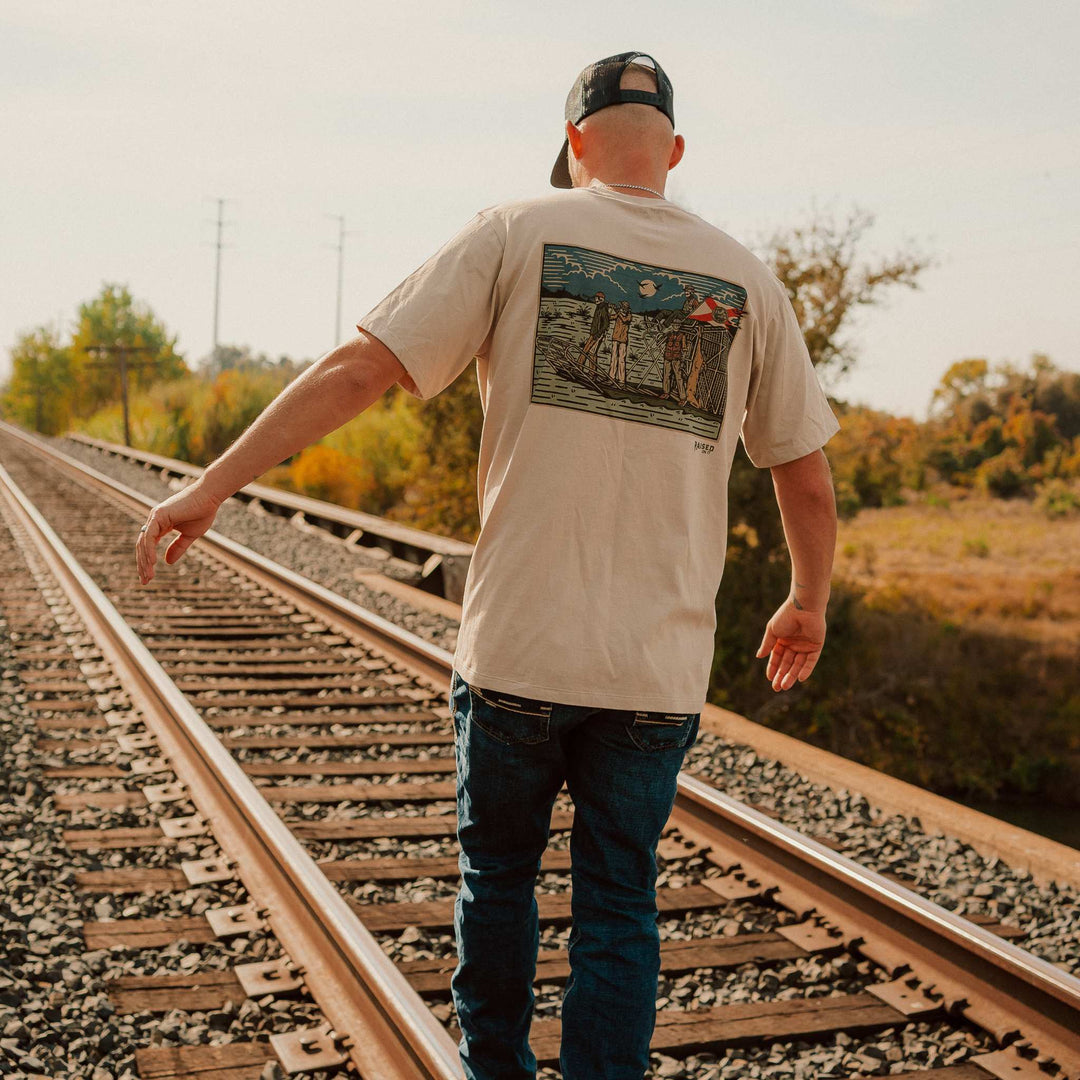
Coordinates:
(626, 140)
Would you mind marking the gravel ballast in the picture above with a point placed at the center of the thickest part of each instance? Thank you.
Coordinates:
(942, 868)
(56, 1018)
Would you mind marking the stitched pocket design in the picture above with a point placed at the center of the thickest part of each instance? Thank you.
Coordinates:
(510, 718)
(655, 731)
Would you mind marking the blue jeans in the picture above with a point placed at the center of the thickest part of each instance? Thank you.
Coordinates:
(620, 767)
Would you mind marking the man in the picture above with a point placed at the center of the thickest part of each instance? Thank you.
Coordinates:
(675, 346)
(600, 320)
(587, 628)
(620, 339)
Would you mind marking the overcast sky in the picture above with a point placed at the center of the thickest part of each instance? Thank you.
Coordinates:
(957, 124)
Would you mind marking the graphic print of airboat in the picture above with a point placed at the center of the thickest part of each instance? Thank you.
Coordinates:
(634, 341)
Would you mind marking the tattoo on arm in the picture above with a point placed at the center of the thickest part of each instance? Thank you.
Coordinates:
(795, 599)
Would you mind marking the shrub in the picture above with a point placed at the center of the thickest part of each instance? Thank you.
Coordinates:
(978, 547)
(1057, 499)
(1004, 475)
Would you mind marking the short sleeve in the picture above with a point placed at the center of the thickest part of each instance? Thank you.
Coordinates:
(440, 316)
(787, 413)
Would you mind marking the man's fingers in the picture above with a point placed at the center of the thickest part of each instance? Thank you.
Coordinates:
(794, 672)
(157, 524)
(786, 660)
(767, 643)
(808, 666)
(178, 547)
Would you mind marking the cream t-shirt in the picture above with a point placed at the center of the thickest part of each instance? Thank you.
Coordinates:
(604, 463)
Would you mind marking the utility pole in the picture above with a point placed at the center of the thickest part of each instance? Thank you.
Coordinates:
(340, 275)
(39, 395)
(121, 352)
(217, 269)
(340, 219)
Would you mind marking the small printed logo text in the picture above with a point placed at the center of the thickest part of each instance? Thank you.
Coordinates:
(704, 447)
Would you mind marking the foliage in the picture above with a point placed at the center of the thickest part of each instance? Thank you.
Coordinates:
(52, 385)
(1057, 499)
(38, 393)
(441, 494)
(325, 473)
(922, 699)
(1004, 429)
(240, 357)
(384, 444)
(874, 458)
(114, 319)
(195, 418)
(822, 269)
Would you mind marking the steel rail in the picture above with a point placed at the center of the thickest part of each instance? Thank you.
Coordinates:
(998, 985)
(993, 982)
(432, 556)
(391, 1032)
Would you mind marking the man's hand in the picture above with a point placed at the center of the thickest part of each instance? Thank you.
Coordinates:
(190, 512)
(792, 642)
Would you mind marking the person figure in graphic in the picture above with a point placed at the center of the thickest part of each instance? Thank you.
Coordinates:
(675, 347)
(620, 337)
(601, 319)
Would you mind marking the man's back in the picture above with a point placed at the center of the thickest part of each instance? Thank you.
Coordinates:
(603, 501)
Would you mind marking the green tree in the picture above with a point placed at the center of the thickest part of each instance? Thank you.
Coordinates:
(441, 494)
(39, 393)
(113, 318)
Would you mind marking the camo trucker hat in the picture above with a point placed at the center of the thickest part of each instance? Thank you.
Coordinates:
(597, 87)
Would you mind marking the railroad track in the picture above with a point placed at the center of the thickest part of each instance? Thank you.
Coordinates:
(313, 741)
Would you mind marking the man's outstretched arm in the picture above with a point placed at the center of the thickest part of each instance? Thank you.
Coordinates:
(796, 633)
(331, 392)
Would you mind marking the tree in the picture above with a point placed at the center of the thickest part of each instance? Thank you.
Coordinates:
(240, 357)
(39, 392)
(826, 279)
(441, 495)
(113, 319)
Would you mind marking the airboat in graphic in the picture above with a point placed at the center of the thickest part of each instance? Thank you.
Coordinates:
(634, 341)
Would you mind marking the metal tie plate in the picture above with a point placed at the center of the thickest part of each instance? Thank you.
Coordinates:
(269, 977)
(812, 935)
(734, 886)
(231, 921)
(165, 793)
(207, 871)
(907, 996)
(1009, 1065)
(179, 828)
(148, 766)
(669, 849)
(308, 1050)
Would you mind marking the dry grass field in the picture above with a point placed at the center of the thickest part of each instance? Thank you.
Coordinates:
(986, 564)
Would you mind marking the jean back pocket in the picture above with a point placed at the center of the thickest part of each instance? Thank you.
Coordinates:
(510, 718)
(655, 731)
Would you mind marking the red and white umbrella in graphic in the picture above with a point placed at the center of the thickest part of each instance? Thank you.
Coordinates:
(711, 310)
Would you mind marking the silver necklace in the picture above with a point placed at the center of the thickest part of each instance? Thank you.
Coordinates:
(638, 187)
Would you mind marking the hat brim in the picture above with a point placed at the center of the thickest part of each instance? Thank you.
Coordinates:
(560, 174)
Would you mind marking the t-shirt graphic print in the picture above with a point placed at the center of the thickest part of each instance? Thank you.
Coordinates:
(633, 341)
